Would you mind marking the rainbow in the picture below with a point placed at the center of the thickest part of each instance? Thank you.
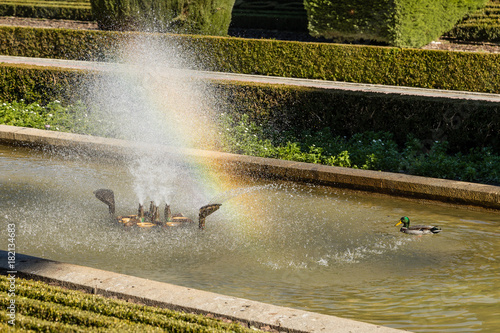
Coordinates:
(152, 100)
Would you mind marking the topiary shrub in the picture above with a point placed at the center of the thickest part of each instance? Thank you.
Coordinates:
(207, 17)
(404, 23)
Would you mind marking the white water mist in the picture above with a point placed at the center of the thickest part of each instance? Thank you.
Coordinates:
(151, 98)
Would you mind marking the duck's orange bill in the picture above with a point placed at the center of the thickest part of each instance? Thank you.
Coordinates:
(398, 223)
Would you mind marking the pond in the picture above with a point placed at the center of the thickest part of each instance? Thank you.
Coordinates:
(315, 248)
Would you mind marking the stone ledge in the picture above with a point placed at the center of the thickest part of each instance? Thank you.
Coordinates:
(180, 298)
(447, 191)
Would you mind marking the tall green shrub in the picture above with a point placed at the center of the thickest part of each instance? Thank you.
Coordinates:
(207, 17)
(404, 23)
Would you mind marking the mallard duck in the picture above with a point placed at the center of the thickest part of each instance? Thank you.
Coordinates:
(416, 229)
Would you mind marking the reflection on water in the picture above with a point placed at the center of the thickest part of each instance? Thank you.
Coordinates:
(309, 247)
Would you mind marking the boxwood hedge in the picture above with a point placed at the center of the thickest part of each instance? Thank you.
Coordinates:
(479, 72)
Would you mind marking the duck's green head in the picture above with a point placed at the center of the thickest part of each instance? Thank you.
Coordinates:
(405, 221)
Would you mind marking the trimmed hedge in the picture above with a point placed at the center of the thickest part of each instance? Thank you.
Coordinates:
(465, 71)
(38, 84)
(476, 33)
(59, 43)
(67, 10)
(480, 26)
(404, 23)
(206, 17)
(286, 15)
(42, 307)
(464, 124)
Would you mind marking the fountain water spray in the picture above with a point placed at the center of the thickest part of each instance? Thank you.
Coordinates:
(149, 98)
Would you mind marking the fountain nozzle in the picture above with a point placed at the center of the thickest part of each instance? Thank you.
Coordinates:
(140, 212)
(108, 197)
(168, 213)
(205, 211)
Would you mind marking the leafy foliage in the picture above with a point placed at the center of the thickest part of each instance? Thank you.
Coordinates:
(368, 150)
(466, 71)
(206, 17)
(482, 25)
(53, 116)
(68, 10)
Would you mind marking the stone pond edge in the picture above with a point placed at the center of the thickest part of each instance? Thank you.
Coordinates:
(153, 293)
(470, 195)
(148, 292)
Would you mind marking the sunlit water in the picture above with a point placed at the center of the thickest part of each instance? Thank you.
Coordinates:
(308, 247)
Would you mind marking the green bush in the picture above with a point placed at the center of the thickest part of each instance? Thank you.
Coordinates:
(42, 307)
(207, 17)
(481, 26)
(368, 150)
(288, 15)
(404, 23)
(351, 63)
(76, 12)
(463, 123)
(53, 116)
(41, 84)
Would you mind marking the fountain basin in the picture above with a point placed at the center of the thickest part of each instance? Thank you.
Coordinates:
(314, 248)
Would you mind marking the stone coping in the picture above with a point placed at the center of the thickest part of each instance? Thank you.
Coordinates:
(252, 313)
(415, 187)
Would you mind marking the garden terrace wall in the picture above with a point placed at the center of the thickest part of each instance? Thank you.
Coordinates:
(467, 71)
(464, 123)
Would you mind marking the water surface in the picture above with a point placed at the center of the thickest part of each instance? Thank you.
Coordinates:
(308, 247)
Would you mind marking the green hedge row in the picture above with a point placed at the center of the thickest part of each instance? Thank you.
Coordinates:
(464, 124)
(465, 71)
(42, 85)
(207, 17)
(288, 15)
(41, 307)
(476, 33)
(404, 23)
(481, 26)
(48, 12)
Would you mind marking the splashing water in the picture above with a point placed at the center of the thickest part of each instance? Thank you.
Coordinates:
(309, 247)
(150, 99)
(233, 193)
